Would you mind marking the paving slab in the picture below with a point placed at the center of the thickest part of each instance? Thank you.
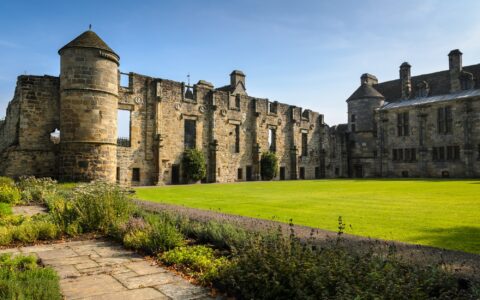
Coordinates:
(100, 269)
(146, 294)
(87, 286)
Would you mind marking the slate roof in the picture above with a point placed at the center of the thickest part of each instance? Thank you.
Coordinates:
(88, 39)
(432, 99)
(438, 82)
(365, 91)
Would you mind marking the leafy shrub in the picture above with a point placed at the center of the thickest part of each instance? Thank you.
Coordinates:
(36, 190)
(6, 235)
(278, 267)
(26, 232)
(12, 220)
(193, 165)
(5, 209)
(46, 230)
(268, 165)
(163, 234)
(9, 194)
(91, 207)
(6, 181)
(137, 239)
(220, 235)
(21, 278)
(199, 261)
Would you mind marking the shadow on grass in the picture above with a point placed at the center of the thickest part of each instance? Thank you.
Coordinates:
(462, 238)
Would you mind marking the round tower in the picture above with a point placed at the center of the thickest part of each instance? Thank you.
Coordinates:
(88, 109)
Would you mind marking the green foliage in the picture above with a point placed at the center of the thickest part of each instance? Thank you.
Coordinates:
(138, 240)
(21, 278)
(278, 267)
(164, 235)
(268, 165)
(36, 190)
(9, 194)
(91, 207)
(198, 261)
(6, 181)
(6, 235)
(193, 165)
(47, 230)
(221, 235)
(26, 232)
(5, 209)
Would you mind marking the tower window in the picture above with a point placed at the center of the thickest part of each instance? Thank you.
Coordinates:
(237, 101)
(190, 134)
(353, 118)
(304, 144)
(237, 138)
(272, 139)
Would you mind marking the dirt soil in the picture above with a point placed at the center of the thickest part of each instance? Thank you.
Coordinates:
(462, 264)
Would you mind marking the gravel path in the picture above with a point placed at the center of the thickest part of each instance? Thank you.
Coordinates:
(464, 264)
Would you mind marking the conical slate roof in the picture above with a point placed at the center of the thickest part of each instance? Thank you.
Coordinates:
(365, 91)
(88, 39)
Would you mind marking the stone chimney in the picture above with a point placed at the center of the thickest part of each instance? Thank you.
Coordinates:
(235, 77)
(455, 69)
(405, 78)
(368, 79)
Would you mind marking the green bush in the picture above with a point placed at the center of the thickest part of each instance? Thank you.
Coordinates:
(138, 240)
(21, 278)
(46, 230)
(9, 194)
(26, 232)
(278, 267)
(268, 166)
(163, 234)
(193, 165)
(91, 207)
(220, 235)
(198, 261)
(6, 181)
(6, 235)
(36, 190)
(5, 209)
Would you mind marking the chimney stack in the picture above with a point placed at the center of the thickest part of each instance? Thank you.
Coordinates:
(368, 79)
(455, 69)
(405, 78)
(235, 77)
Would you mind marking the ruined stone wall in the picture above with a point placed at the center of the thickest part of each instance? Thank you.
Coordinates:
(139, 98)
(337, 155)
(25, 144)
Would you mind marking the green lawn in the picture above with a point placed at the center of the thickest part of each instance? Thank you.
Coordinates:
(440, 213)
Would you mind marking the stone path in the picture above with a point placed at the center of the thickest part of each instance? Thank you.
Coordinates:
(100, 269)
(29, 210)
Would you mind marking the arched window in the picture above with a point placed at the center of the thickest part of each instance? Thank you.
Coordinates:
(422, 89)
(466, 80)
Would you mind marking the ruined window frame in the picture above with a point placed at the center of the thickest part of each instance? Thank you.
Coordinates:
(272, 139)
(135, 174)
(237, 138)
(190, 137)
(304, 144)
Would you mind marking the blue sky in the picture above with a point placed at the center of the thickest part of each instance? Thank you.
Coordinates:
(306, 53)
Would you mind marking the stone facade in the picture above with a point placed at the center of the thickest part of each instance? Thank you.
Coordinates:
(420, 126)
(392, 130)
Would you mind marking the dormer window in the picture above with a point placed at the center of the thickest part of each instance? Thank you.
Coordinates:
(422, 89)
(466, 81)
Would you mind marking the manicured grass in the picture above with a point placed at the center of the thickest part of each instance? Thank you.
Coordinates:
(440, 213)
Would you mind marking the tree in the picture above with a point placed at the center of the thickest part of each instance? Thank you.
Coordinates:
(269, 165)
(193, 164)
